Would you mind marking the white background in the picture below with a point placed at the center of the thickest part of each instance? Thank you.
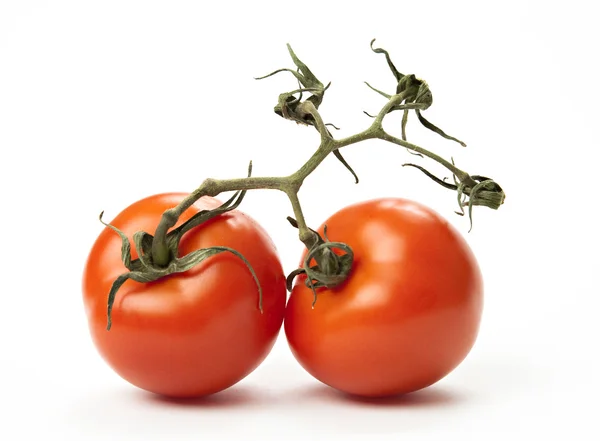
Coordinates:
(103, 103)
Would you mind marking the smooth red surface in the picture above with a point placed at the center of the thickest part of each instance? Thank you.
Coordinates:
(409, 312)
(194, 333)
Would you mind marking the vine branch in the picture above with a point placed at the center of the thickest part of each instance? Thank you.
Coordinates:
(158, 253)
(411, 94)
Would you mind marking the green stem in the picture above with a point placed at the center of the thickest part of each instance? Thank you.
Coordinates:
(291, 184)
(393, 101)
(158, 254)
(210, 187)
(306, 235)
(460, 175)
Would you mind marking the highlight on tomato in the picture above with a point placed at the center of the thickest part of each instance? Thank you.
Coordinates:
(406, 315)
(194, 332)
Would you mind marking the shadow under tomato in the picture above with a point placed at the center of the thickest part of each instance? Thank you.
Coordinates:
(428, 397)
(232, 397)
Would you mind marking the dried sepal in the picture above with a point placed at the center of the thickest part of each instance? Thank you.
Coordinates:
(332, 269)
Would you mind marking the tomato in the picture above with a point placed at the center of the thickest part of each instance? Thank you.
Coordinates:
(194, 333)
(406, 316)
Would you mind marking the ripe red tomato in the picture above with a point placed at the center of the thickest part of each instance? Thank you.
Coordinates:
(193, 333)
(408, 313)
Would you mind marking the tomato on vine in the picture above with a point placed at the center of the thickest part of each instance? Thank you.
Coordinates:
(195, 307)
(195, 332)
(407, 313)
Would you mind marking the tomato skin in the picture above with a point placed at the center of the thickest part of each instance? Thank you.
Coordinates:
(194, 333)
(407, 315)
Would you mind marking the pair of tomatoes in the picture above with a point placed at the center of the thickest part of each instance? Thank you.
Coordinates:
(406, 316)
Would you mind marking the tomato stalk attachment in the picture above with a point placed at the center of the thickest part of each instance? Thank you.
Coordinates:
(331, 269)
(159, 252)
(145, 269)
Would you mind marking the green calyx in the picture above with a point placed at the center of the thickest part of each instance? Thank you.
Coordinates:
(144, 270)
(415, 96)
(291, 106)
(471, 191)
(331, 269)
